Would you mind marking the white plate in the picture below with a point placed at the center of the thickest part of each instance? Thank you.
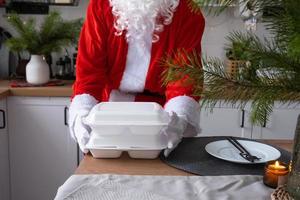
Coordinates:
(223, 149)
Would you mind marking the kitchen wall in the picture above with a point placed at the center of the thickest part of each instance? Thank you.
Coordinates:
(213, 40)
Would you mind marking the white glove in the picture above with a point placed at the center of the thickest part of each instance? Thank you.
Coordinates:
(174, 132)
(80, 108)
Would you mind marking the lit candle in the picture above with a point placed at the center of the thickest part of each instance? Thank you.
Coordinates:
(275, 174)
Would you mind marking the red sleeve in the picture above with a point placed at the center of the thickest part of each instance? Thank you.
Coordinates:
(91, 67)
(190, 27)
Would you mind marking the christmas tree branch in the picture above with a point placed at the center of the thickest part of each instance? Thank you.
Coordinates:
(219, 85)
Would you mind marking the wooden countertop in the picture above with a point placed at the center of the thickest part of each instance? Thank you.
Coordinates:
(53, 91)
(4, 92)
(129, 166)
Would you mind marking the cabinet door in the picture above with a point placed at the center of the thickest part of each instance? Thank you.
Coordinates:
(224, 122)
(4, 162)
(281, 125)
(42, 153)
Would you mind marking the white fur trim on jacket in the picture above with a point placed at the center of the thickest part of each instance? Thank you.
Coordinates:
(187, 108)
(137, 65)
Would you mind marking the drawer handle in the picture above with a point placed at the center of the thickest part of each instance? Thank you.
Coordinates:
(4, 121)
(243, 119)
(65, 116)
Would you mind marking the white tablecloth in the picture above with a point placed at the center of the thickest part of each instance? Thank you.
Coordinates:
(125, 187)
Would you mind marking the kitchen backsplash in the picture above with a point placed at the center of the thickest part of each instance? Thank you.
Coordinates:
(213, 40)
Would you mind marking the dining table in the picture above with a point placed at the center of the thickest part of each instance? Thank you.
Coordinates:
(127, 178)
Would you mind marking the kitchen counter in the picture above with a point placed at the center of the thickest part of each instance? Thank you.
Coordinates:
(126, 166)
(53, 91)
(129, 166)
(4, 92)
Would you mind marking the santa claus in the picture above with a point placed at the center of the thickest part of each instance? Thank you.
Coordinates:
(121, 48)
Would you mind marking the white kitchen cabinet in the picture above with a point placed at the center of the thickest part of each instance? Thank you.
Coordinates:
(42, 153)
(281, 124)
(225, 121)
(4, 161)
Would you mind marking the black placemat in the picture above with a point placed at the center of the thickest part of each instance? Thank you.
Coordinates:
(190, 156)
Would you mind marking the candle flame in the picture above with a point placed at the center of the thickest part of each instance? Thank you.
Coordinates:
(278, 166)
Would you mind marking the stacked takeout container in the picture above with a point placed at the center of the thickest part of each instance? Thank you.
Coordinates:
(135, 127)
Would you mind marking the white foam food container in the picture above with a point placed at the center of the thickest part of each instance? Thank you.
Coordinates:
(134, 127)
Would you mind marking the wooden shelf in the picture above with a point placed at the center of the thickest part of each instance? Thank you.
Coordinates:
(35, 7)
(73, 3)
(47, 2)
(27, 7)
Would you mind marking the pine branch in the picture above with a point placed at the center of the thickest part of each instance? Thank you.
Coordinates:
(26, 31)
(272, 70)
(51, 26)
(53, 34)
(218, 85)
(16, 44)
(214, 7)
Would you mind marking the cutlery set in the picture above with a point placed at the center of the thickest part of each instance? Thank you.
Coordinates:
(243, 151)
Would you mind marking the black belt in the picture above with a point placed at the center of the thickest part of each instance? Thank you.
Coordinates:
(153, 94)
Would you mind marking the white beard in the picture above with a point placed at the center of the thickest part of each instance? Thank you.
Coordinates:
(138, 17)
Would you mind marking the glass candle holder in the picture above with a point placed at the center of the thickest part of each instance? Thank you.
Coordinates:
(275, 174)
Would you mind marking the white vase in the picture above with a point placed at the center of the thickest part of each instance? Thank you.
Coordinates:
(37, 70)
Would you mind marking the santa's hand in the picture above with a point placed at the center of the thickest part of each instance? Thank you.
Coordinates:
(79, 109)
(174, 132)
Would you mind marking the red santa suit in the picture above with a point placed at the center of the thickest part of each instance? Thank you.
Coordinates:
(108, 71)
(110, 68)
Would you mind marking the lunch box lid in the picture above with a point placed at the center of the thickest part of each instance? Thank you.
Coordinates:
(127, 113)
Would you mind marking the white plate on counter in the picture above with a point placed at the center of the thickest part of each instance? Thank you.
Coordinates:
(224, 150)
